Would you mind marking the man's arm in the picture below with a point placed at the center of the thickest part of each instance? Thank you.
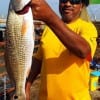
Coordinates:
(35, 70)
(75, 43)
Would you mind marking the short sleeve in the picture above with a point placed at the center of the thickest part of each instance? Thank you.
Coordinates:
(89, 33)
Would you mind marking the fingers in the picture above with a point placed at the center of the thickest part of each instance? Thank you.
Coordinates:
(35, 6)
(35, 2)
(41, 10)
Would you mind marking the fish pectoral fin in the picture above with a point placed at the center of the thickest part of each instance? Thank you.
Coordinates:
(24, 28)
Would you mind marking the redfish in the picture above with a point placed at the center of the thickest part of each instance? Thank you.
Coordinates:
(19, 44)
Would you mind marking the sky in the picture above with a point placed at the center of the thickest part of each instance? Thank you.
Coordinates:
(92, 9)
(4, 7)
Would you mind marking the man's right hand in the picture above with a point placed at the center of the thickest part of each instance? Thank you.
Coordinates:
(41, 10)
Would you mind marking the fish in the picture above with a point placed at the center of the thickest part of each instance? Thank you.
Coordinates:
(19, 45)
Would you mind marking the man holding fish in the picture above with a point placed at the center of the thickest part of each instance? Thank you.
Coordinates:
(67, 46)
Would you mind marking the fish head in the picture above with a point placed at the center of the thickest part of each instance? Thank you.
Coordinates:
(21, 6)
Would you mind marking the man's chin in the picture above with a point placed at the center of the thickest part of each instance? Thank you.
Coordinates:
(67, 19)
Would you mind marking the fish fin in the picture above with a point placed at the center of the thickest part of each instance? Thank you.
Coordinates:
(24, 28)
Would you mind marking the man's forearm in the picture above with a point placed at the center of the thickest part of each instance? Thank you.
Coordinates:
(35, 70)
(74, 42)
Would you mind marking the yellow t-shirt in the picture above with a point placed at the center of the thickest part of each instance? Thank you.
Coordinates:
(65, 76)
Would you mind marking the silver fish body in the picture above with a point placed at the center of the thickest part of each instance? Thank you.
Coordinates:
(19, 48)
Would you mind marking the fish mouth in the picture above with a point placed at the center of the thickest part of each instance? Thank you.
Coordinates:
(24, 10)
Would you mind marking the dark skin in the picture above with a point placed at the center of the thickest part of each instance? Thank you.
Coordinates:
(75, 43)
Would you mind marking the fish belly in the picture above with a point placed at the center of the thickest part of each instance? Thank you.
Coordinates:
(19, 49)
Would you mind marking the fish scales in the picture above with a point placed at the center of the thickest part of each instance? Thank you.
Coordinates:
(19, 48)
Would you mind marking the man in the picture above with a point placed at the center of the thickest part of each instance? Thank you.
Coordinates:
(66, 49)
